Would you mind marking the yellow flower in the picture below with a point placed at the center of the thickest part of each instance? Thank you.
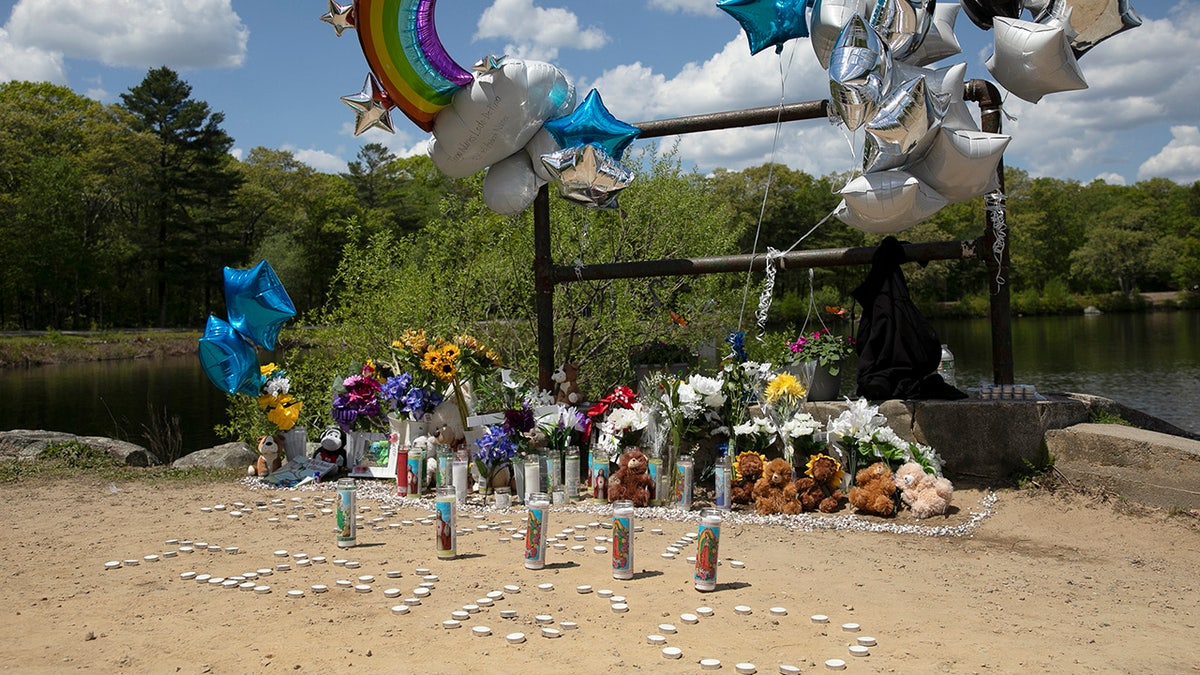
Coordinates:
(432, 361)
(285, 416)
(784, 384)
(446, 370)
(450, 352)
(837, 476)
(267, 369)
(415, 340)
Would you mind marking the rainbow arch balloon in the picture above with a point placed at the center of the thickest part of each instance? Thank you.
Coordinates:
(401, 44)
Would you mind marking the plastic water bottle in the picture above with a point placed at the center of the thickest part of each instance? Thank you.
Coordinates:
(946, 367)
(721, 477)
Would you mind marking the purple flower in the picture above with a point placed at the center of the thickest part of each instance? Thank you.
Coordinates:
(495, 446)
(395, 388)
(519, 421)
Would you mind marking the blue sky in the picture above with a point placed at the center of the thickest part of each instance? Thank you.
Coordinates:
(276, 72)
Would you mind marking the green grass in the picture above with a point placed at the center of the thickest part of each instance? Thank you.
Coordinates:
(75, 460)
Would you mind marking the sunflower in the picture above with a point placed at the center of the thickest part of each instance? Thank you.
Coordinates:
(450, 352)
(784, 384)
(446, 370)
(432, 361)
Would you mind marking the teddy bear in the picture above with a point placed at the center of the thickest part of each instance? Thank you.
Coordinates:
(270, 449)
(775, 491)
(632, 479)
(748, 467)
(819, 488)
(874, 490)
(566, 389)
(925, 493)
(332, 447)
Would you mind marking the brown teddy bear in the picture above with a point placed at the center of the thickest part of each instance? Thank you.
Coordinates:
(775, 492)
(748, 468)
(632, 479)
(819, 488)
(925, 493)
(874, 490)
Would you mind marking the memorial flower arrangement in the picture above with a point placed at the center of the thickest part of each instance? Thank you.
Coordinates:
(407, 397)
(681, 409)
(784, 399)
(500, 443)
(457, 363)
(860, 436)
(561, 427)
(822, 346)
(275, 397)
(755, 435)
(743, 383)
(357, 404)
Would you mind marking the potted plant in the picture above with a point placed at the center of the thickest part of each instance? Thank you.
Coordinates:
(821, 354)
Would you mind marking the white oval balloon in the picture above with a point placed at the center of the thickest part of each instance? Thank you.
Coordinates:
(887, 202)
(510, 185)
(497, 114)
(542, 143)
(961, 164)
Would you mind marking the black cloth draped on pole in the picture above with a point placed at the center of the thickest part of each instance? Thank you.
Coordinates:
(898, 350)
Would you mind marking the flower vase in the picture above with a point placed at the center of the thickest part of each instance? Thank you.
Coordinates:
(499, 476)
(824, 385)
(295, 443)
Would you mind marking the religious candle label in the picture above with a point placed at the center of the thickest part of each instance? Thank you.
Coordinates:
(535, 532)
(706, 553)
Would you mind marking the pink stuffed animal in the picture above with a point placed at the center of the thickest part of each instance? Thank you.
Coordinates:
(926, 494)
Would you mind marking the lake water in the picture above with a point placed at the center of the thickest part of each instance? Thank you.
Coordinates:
(1147, 361)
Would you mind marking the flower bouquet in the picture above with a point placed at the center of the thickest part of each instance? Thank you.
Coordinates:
(282, 408)
(680, 409)
(785, 397)
(500, 443)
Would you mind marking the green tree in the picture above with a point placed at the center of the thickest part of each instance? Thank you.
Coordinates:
(185, 208)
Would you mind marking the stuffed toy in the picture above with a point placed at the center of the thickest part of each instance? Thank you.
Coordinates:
(632, 479)
(747, 469)
(566, 390)
(446, 423)
(819, 488)
(270, 450)
(874, 490)
(332, 446)
(775, 491)
(925, 493)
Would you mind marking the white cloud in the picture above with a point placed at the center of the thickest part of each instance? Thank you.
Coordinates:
(319, 159)
(1179, 160)
(1111, 178)
(732, 79)
(1138, 81)
(701, 7)
(536, 32)
(20, 62)
(134, 33)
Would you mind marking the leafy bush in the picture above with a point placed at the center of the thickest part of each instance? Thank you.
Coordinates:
(78, 455)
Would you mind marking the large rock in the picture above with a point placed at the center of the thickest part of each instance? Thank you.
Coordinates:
(26, 444)
(1143, 466)
(226, 456)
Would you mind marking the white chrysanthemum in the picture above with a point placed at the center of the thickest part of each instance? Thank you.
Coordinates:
(801, 424)
(858, 421)
(624, 420)
(707, 388)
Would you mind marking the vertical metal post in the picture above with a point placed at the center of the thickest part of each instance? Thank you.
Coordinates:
(543, 285)
(995, 251)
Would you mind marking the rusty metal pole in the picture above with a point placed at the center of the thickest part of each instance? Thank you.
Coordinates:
(543, 285)
(995, 248)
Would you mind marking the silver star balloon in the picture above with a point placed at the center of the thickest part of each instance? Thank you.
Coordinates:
(859, 73)
(341, 17)
(489, 63)
(586, 175)
(372, 107)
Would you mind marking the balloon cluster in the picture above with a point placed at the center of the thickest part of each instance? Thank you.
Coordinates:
(921, 148)
(513, 117)
(257, 307)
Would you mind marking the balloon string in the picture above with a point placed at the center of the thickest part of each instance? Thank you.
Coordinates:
(762, 209)
(768, 291)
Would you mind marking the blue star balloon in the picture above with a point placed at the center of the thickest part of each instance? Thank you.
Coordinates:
(768, 22)
(591, 123)
(228, 359)
(257, 304)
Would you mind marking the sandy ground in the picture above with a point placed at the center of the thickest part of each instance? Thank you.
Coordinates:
(1043, 583)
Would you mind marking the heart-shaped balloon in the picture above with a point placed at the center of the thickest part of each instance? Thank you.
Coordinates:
(257, 303)
(228, 359)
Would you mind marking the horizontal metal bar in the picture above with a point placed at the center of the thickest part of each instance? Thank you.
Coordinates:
(826, 257)
(804, 110)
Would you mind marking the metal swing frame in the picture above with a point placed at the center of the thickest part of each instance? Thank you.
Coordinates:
(991, 246)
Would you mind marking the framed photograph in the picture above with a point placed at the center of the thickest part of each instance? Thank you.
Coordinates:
(370, 455)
